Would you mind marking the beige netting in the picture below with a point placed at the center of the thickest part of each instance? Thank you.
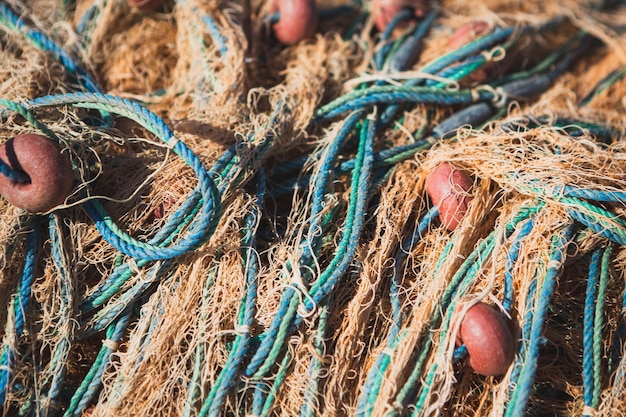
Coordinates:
(159, 335)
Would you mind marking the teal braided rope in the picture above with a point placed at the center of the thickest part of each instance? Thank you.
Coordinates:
(42, 41)
(412, 382)
(195, 383)
(406, 51)
(60, 354)
(227, 378)
(143, 332)
(522, 344)
(219, 39)
(281, 324)
(18, 309)
(12, 174)
(605, 83)
(266, 408)
(476, 46)
(511, 259)
(588, 334)
(122, 272)
(374, 379)
(123, 302)
(310, 405)
(226, 174)
(360, 99)
(343, 257)
(92, 381)
(203, 226)
(85, 23)
(545, 63)
(355, 218)
(121, 106)
(320, 187)
(596, 218)
(469, 278)
(522, 391)
(387, 45)
(23, 111)
(610, 220)
(597, 325)
(458, 71)
(599, 226)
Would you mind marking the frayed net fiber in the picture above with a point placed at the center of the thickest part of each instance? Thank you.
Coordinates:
(253, 228)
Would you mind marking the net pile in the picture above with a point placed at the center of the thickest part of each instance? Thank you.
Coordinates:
(250, 231)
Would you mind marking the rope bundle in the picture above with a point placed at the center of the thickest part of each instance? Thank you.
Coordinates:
(289, 261)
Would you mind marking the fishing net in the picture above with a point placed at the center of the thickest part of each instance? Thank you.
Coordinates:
(251, 229)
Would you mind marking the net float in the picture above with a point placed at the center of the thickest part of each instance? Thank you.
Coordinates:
(384, 11)
(449, 188)
(488, 340)
(145, 5)
(467, 32)
(298, 20)
(48, 173)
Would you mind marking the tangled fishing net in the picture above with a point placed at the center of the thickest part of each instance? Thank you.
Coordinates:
(250, 230)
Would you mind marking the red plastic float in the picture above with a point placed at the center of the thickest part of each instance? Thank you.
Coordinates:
(385, 10)
(145, 5)
(450, 188)
(488, 340)
(49, 170)
(298, 20)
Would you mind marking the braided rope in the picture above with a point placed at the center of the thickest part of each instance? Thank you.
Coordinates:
(17, 310)
(90, 385)
(520, 395)
(199, 231)
(42, 41)
(228, 376)
(374, 379)
(588, 319)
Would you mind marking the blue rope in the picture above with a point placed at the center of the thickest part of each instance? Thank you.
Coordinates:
(359, 192)
(380, 56)
(522, 346)
(599, 228)
(588, 317)
(409, 50)
(19, 307)
(362, 99)
(610, 79)
(199, 231)
(195, 382)
(371, 387)
(462, 278)
(12, 174)
(89, 387)
(123, 302)
(283, 323)
(310, 405)
(61, 351)
(511, 259)
(42, 41)
(322, 183)
(523, 388)
(220, 40)
(86, 19)
(228, 376)
(598, 324)
(286, 299)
